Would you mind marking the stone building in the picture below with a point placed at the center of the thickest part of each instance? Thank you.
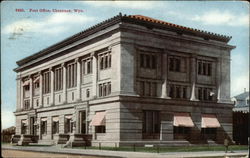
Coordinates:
(128, 80)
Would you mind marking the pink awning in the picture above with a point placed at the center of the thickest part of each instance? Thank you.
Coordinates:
(98, 119)
(36, 80)
(183, 120)
(209, 121)
(26, 83)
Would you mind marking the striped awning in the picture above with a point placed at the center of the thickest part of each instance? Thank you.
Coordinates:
(183, 120)
(98, 119)
(209, 121)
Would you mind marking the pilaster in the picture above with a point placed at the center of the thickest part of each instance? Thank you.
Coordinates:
(41, 89)
(52, 87)
(78, 79)
(193, 78)
(64, 83)
(31, 91)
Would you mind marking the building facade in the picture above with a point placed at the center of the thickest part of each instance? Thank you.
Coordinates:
(130, 79)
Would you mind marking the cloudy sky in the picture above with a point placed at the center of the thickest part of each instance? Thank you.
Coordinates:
(25, 33)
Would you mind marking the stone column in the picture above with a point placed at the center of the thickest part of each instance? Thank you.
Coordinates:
(19, 88)
(78, 79)
(164, 93)
(218, 78)
(64, 83)
(193, 78)
(31, 92)
(52, 87)
(41, 89)
(95, 74)
(21, 94)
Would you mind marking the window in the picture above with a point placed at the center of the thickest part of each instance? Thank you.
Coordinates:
(205, 94)
(55, 125)
(87, 93)
(209, 133)
(181, 132)
(46, 82)
(47, 100)
(37, 102)
(72, 95)
(68, 126)
(100, 129)
(104, 89)
(148, 61)
(59, 98)
(58, 81)
(36, 85)
(175, 64)
(148, 88)
(204, 68)
(71, 75)
(44, 127)
(23, 126)
(26, 104)
(247, 101)
(26, 88)
(151, 124)
(178, 91)
(86, 66)
(105, 60)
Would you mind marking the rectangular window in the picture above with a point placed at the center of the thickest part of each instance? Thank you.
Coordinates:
(148, 88)
(46, 82)
(44, 127)
(71, 75)
(204, 67)
(23, 126)
(105, 60)
(151, 124)
(86, 66)
(174, 64)
(178, 91)
(104, 89)
(55, 126)
(181, 132)
(148, 61)
(72, 95)
(87, 93)
(58, 81)
(205, 94)
(100, 129)
(68, 124)
(209, 133)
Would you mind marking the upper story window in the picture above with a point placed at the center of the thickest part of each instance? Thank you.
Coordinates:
(178, 91)
(104, 89)
(175, 64)
(58, 82)
(46, 82)
(148, 88)
(247, 101)
(205, 94)
(105, 60)
(204, 68)
(148, 61)
(71, 75)
(86, 66)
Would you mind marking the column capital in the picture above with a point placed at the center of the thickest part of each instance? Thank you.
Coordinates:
(78, 59)
(63, 64)
(93, 54)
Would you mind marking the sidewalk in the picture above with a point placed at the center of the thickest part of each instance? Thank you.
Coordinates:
(123, 154)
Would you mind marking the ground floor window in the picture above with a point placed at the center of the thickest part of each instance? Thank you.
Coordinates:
(209, 133)
(151, 124)
(100, 129)
(44, 127)
(23, 126)
(68, 126)
(55, 125)
(181, 132)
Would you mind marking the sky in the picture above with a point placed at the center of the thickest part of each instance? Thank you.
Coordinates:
(27, 28)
